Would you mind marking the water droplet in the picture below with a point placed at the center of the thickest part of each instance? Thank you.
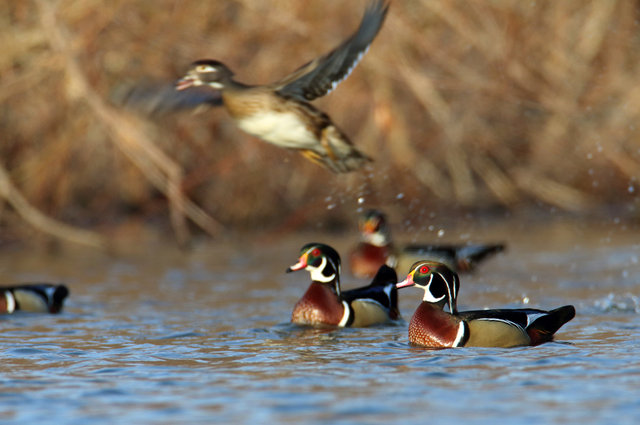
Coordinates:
(525, 300)
(400, 195)
(331, 206)
(631, 189)
(440, 233)
(431, 227)
(589, 155)
(361, 200)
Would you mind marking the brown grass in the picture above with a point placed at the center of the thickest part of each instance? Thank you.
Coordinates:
(463, 104)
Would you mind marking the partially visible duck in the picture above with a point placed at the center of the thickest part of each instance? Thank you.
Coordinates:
(35, 297)
(376, 248)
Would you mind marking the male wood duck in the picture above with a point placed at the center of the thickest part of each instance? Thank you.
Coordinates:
(325, 303)
(279, 113)
(35, 297)
(376, 248)
(433, 327)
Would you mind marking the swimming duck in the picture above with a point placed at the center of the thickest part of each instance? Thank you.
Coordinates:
(376, 248)
(433, 327)
(35, 297)
(325, 303)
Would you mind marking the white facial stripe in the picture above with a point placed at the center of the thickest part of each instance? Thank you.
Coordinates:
(451, 291)
(427, 292)
(345, 314)
(316, 272)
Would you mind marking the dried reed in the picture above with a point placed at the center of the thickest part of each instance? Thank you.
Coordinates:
(470, 104)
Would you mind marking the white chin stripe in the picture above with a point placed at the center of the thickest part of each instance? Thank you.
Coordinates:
(316, 272)
(427, 293)
(345, 315)
(376, 239)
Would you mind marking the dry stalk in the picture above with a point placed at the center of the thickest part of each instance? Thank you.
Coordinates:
(40, 221)
(162, 171)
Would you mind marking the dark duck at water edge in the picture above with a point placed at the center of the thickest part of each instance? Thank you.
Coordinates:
(34, 297)
(433, 327)
(376, 247)
(325, 303)
(280, 113)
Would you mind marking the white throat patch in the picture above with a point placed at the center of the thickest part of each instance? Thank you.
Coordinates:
(376, 239)
(317, 275)
(427, 293)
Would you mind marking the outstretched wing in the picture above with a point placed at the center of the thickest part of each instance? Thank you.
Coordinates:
(323, 74)
(160, 99)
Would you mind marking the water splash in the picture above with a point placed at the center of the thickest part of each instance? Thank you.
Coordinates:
(627, 303)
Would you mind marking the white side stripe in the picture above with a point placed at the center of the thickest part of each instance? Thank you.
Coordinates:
(11, 301)
(345, 315)
(460, 335)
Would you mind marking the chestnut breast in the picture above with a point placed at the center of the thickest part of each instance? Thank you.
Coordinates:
(318, 306)
(432, 327)
(366, 259)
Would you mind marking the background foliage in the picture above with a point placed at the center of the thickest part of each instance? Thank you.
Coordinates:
(465, 105)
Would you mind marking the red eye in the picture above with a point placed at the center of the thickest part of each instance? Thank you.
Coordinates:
(424, 270)
(315, 252)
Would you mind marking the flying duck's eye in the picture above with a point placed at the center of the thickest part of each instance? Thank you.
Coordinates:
(204, 68)
(315, 252)
(424, 270)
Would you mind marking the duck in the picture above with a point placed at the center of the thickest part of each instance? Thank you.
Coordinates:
(33, 297)
(280, 113)
(433, 327)
(326, 304)
(376, 247)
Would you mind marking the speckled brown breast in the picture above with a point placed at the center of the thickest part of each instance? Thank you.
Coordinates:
(366, 259)
(430, 326)
(318, 306)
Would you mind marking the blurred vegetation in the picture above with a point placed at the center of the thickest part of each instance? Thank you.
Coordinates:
(465, 105)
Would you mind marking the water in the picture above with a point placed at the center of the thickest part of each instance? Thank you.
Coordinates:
(203, 337)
